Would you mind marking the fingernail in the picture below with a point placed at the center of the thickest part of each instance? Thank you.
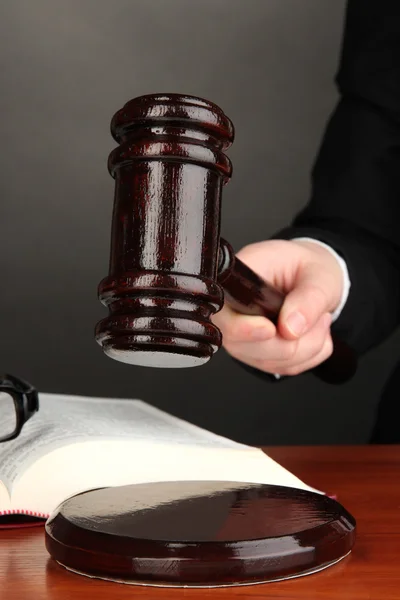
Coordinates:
(261, 333)
(296, 323)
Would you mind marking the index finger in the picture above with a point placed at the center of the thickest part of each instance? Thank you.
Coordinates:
(236, 327)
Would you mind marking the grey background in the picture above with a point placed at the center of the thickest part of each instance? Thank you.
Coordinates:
(66, 67)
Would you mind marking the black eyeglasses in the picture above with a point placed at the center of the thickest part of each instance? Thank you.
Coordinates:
(19, 401)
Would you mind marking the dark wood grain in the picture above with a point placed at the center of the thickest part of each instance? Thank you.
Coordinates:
(366, 481)
(161, 289)
(199, 533)
(167, 263)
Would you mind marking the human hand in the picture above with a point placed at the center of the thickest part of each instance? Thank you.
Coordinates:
(312, 280)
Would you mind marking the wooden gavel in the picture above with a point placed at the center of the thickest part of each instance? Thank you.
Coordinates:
(169, 269)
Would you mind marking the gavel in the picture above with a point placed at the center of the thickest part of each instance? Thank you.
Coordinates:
(169, 269)
(169, 273)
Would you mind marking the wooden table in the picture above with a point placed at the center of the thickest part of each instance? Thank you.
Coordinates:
(366, 480)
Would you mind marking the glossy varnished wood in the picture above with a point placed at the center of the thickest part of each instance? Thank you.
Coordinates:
(169, 168)
(199, 533)
(167, 263)
(366, 482)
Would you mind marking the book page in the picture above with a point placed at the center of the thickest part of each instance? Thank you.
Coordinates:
(4, 497)
(64, 420)
(89, 465)
(75, 444)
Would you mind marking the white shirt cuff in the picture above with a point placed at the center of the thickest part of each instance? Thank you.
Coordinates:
(345, 273)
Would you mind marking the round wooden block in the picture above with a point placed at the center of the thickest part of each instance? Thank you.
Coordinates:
(199, 533)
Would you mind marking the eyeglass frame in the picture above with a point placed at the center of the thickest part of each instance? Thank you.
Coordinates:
(26, 402)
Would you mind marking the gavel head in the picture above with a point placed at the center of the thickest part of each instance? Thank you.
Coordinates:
(169, 170)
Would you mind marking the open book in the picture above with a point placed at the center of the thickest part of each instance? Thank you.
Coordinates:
(74, 444)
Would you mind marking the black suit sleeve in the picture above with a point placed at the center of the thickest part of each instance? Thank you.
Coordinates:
(355, 200)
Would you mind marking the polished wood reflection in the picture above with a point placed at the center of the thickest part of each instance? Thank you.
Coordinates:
(365, 480)
(199, 533)
(168, 268)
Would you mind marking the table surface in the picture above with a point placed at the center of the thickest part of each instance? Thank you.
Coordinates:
(366, 480)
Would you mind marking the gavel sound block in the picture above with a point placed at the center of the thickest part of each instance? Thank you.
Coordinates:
(199, 533)
(169, 269)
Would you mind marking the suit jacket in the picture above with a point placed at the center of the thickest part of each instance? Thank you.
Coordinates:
(355, 198)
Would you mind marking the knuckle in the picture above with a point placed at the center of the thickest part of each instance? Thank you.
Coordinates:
(324, 354)
(328, 348)
(317, 347)
(324, 350)
(315, 343)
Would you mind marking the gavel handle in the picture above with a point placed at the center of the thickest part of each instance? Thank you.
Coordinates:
(248, 294)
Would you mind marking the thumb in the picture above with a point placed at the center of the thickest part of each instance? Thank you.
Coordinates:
(312, 297)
